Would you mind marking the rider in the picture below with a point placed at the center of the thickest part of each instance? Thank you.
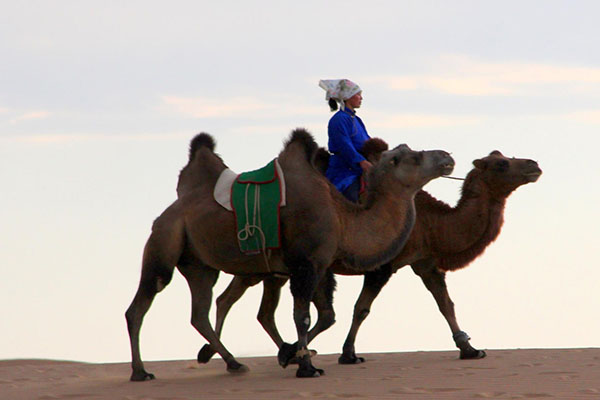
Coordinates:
(347, 134)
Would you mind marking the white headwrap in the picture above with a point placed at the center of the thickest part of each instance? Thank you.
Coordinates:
(339, 89)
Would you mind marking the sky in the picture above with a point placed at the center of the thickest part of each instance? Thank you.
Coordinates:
(99, 100)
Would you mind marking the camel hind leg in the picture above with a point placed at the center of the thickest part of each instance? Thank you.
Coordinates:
(201, 280)
(160, 255)
(234, 291)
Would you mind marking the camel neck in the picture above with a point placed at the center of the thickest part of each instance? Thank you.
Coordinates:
(472, 225)
(376, 235)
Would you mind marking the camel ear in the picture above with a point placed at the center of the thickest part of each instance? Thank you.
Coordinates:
(480, 164)
(496, 153)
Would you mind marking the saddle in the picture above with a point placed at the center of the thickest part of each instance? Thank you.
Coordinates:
(255, 197)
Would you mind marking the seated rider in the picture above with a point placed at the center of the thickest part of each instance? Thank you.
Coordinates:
(347, 134)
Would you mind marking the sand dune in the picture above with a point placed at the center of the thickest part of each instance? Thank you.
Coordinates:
(504, 374)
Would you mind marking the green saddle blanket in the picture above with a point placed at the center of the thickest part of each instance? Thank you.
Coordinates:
(255, 199)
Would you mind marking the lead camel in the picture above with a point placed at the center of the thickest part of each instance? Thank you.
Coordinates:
(198, 236)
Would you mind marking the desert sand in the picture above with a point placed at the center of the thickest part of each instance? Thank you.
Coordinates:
(504, 374)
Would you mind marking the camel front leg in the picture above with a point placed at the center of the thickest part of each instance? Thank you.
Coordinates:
(323, 301)
(304, 279)
(201, 280)
(236, 289)
(373, 282)
(435, 282)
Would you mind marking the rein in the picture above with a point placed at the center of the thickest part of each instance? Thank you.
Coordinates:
(453, 177)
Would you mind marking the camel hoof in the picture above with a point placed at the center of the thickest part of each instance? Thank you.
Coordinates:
(141, 376)
(205, 354)
(285, 354)
(235, 367)
(350, 359)
(472, 354)
(310, 372)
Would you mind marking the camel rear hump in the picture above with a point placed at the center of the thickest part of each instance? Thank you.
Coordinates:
(204, 165)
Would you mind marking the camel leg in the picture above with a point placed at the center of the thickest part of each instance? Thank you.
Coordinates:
(373, 282)
(160, 255)
(135, 315)
(236, 289)
(201, 280)
(323, 301)
(435, 282)
(270, 300)
(305, 277)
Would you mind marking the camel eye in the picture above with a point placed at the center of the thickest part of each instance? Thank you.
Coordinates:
(501, 166)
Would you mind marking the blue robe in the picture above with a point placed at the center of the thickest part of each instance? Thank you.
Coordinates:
(347, 134)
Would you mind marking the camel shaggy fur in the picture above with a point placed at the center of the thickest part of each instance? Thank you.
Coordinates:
(198, 236)
(444, 239)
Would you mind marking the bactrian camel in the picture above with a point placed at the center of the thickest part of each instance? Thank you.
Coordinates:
(444, 239)
(318, 226)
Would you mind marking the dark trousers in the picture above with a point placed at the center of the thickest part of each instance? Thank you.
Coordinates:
(352, 191)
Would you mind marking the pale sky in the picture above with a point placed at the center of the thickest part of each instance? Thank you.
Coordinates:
(99, 100)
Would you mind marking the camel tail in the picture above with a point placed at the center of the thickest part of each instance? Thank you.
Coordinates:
(199, 141)
(301, 135)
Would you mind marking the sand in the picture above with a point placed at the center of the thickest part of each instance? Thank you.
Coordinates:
(504, 374)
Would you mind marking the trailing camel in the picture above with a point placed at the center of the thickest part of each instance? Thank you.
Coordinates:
(443, 239)
(199, 237)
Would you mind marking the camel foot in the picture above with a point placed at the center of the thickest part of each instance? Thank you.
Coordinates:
(285, 354)
(467, 352)
(235, 367)
(350, 359)
(309, 372)
(472, 354)
(205, 354)
(141, 376)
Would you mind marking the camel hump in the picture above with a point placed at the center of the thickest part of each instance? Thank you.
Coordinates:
(373, 148)
(199, 141)
(321, 160)
(303, 137)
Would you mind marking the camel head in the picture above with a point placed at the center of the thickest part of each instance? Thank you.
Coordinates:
(408, 170)
(503, 174)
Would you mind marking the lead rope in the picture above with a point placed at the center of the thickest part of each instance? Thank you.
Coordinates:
(453, 177)
(249, 229)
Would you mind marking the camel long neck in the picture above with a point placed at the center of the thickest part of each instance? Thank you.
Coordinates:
(463, 233)
(375, 236)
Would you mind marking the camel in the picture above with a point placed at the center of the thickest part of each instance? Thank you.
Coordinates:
(199, 238)
(444, 239)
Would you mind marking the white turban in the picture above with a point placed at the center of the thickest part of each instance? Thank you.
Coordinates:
(339, 89)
